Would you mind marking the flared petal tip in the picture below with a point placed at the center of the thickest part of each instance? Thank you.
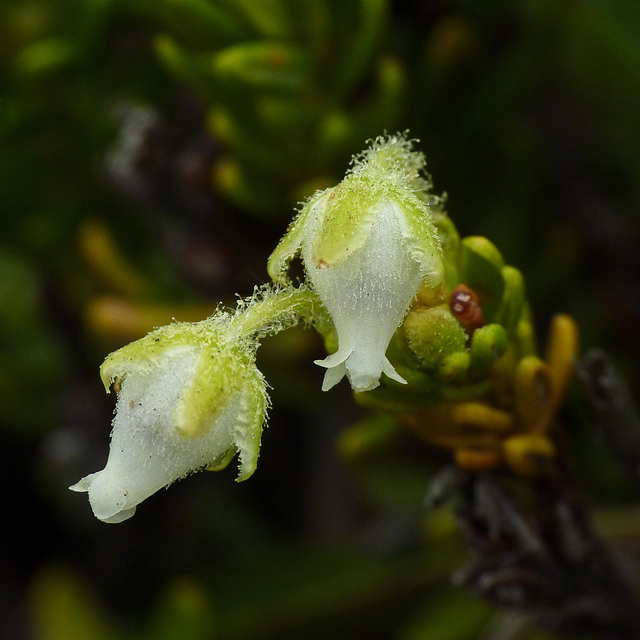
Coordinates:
(82, 486)
(333, 376)
(116, 518)
(334, 359)
(105, 505)
(335, 366)
(389, 370)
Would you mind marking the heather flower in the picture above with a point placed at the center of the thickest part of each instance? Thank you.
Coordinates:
(189, 397)
(367, 245)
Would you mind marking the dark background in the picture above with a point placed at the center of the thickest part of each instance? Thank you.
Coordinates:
(146, 173)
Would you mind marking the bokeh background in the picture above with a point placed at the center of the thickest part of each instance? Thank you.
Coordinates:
(151, 155)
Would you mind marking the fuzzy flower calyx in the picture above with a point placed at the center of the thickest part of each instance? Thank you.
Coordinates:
(189, 397)
(367, 245)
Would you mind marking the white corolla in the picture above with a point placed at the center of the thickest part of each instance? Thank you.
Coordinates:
(367, 245)
(188, 398)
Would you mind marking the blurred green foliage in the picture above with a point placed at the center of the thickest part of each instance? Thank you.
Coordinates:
(528, 114)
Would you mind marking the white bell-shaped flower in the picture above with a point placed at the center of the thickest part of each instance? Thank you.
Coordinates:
(189, 398)
(367, 245)
(367, 297)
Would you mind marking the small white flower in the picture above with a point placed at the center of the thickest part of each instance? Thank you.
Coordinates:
(367, 246)
(190, 397)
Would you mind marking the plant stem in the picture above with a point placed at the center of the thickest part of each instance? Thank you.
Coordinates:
(270, 311)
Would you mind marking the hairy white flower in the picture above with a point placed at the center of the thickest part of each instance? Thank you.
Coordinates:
(367, 245)
(190, 397)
